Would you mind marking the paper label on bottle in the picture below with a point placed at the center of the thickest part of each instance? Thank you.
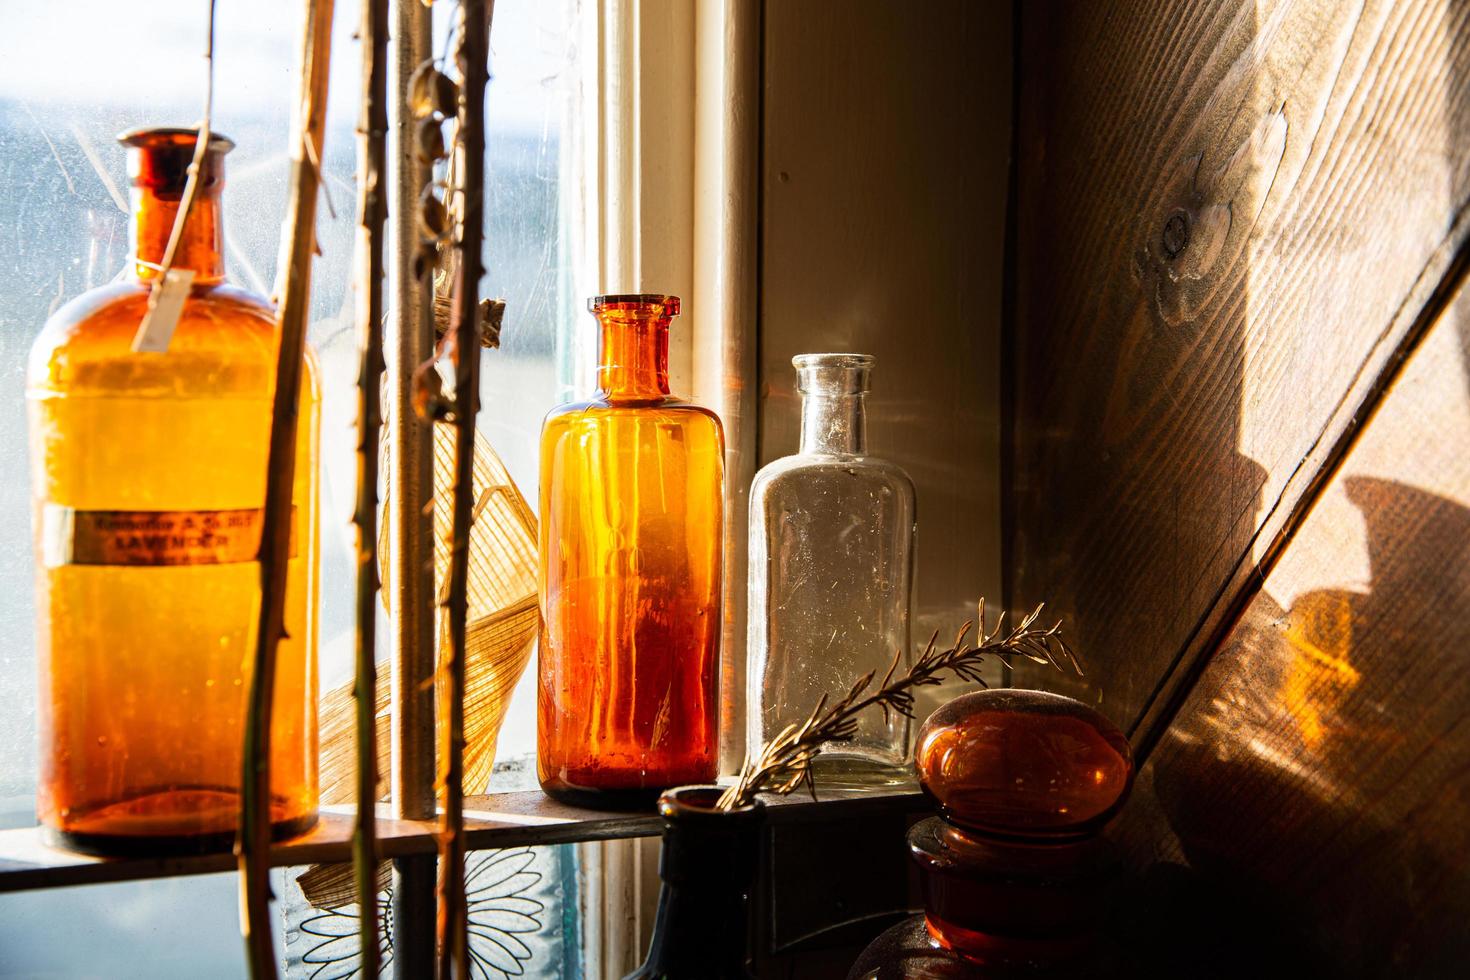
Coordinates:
(153, 537)
(165, 304)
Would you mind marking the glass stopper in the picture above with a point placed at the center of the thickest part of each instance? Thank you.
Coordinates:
(1024, 764)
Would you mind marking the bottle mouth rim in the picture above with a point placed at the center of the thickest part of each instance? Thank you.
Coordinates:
(145, 137)
(832, 360)
(834, 374)
(652, 302)
(697, 802)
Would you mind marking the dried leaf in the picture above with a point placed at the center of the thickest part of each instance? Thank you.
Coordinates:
(429, 401)
(492, 317)
(330, 886)
(424, 260)
(503, 621)
(422, 89)
(444, 95)
(429, 141)
(433, 216)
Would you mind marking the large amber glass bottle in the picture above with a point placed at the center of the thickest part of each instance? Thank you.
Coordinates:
(148, 482)
(631, 526)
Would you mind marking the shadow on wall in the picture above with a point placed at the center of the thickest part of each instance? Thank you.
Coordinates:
(1133, 493)
(1312, 803)
(1336, 740)
(1229, 213)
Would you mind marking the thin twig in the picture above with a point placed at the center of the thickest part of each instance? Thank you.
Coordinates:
(472, 56)
(191, 185)
(785, 762)
(372, 215)
(294, 276)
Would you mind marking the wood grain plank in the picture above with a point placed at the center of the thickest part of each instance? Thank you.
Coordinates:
(1319, 773)
(1219, 250)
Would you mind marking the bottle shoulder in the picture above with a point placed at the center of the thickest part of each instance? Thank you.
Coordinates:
(98, 308)
(805, 467)
(87, 343)
(595, 411)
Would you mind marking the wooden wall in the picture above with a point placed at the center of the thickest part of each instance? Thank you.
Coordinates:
(1320, 768)
(1239, 432)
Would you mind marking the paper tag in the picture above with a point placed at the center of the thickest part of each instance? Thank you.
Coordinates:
(165, 303)
(152, 537)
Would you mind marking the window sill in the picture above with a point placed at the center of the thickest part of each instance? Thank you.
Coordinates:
(493, 821)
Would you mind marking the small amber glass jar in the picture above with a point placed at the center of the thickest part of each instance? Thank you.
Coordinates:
(1016, 879)
(631, 536)
(148, 478)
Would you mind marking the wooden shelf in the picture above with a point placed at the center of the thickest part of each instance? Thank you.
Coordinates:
(493, 821)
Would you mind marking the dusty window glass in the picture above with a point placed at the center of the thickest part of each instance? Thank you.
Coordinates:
(69, 82)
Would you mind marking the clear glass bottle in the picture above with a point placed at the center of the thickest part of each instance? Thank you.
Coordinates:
(148, 479)
(831, 576)
(631, 537)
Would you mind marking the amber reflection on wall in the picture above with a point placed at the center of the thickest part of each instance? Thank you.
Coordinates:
(631, 486)
(148, 476)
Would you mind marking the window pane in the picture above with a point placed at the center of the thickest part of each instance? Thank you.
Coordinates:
(516, 925)
(65, 220)
(63, 217)
(173, 927)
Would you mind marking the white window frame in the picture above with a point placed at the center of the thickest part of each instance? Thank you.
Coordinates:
(670, 150)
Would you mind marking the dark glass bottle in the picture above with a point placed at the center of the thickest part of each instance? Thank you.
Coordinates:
(631, 536)
(702, 929)
(1016, 880)
(148, 479)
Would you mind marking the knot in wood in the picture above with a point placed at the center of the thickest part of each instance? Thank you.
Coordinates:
(1176, 234)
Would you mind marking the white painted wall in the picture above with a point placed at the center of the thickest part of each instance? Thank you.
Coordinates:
(886, 139)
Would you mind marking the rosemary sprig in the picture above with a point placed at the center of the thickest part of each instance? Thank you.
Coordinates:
(785, 762)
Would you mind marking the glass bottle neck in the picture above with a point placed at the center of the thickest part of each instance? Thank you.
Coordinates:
(834, 424)
(833, 389)
(200, 246)
(706, 865)
(633, 357)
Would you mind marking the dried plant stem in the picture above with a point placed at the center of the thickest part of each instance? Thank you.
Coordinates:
(472, 57)
(372, 215)
(191, 185)
(410, 442)
(410, 542)
(785, 762)
(253, 846)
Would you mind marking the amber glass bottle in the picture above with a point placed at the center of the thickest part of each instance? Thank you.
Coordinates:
(1016, 879)
(631, 515)
(148, 482)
